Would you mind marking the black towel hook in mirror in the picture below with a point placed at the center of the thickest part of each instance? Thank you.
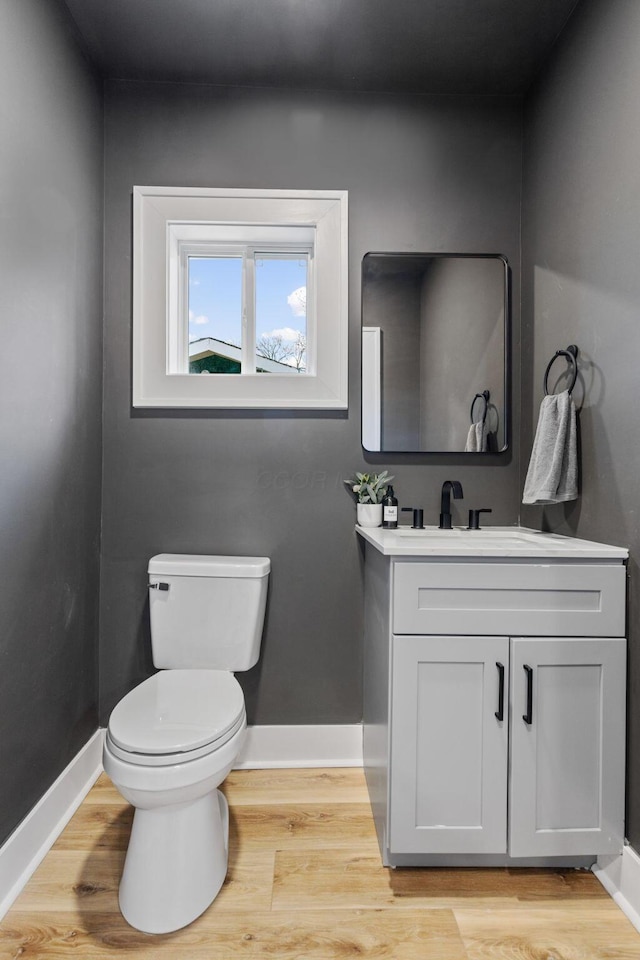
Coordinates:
(485, 395)
(571, 354)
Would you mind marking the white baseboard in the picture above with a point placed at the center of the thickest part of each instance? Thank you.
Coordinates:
(32, 839)
(330, 745)
(620, 876)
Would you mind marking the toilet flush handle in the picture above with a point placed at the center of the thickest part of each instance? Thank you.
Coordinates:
(158, 586)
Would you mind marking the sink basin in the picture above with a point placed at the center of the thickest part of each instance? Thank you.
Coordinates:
(478, 538)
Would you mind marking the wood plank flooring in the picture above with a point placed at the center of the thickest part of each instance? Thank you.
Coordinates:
(305, 882)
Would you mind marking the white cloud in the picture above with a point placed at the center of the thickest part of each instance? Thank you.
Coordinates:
(298, 302)
(199, 320)
(287, 333)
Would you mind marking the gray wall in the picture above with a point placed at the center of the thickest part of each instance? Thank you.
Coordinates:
(50, 397)
(581, 284)
(422, 174)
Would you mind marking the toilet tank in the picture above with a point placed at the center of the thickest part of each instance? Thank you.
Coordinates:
(207, 612)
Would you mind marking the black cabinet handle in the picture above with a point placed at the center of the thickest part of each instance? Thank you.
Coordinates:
(500, 710)
(528, 716)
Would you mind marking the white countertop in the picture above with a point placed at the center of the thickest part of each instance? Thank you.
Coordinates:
(488, 542)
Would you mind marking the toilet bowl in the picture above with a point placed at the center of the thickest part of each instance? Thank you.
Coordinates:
(169, 745)
(174, 738)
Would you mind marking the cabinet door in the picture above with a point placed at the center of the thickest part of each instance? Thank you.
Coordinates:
(448, 785)
(566, 784)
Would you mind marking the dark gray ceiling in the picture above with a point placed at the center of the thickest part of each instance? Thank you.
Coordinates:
(423, 46)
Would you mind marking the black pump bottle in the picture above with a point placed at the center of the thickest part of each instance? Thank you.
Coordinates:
(389, 510)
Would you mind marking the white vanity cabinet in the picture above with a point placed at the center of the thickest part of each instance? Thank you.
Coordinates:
(452, 779)
(494, 727)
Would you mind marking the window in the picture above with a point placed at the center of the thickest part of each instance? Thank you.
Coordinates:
(247, 311)
(240, 298)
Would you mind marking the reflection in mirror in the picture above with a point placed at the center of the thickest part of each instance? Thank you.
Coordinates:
(434, 352)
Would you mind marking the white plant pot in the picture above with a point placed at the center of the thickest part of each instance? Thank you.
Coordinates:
(369, 514)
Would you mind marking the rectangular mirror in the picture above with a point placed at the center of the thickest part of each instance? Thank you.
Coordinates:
(435, 350)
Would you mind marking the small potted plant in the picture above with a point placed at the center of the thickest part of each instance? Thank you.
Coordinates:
(369, 490)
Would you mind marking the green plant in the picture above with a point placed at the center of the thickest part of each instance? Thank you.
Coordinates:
(369, 487)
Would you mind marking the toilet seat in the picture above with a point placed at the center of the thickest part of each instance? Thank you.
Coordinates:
(176, 716)
(171, 759)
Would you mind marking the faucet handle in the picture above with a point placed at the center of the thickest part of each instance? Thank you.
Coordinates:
(474, 517)
(418, 517)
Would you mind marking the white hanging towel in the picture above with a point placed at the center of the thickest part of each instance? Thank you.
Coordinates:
(552, 476)
(476, 438)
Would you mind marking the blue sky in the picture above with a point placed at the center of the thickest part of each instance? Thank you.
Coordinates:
(215, 298)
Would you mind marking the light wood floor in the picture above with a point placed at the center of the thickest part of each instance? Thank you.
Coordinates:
(305, 881)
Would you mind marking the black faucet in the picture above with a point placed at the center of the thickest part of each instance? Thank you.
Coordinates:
(449, 487)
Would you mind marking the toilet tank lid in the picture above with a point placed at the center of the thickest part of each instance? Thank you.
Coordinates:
(199, 565)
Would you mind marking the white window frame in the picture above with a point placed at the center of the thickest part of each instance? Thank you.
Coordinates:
(169, 222)
(248, 244)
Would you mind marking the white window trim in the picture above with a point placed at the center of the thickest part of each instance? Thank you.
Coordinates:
(156, 211)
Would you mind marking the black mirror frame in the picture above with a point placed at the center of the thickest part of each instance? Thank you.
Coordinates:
(488, 456)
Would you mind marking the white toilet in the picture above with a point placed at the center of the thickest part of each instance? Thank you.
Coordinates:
(173, 739)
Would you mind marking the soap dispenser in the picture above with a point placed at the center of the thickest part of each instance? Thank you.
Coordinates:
(389, 510)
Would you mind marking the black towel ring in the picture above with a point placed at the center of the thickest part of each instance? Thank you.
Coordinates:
(481, 396)
(570, 353)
